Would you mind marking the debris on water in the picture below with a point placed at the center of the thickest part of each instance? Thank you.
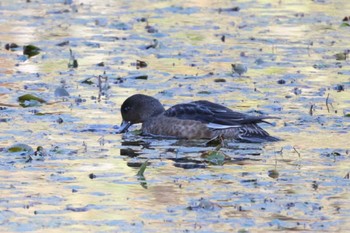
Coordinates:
(153, 45)
(219, 80)
(273, 174)
(320, 66)
(31, 50)
(345, 22)
(140, 64)
(64, 43)
(20, 147)
(223, 38)
(214, 157)
(92, 176)
(142, 169)
(11, 46)
(231, 9)
(281, 81)
(239, 69)
(339, 87)
(296, 91)
(142, 19)
(259, 61)
(151, 29)
(189, 165)
(204, 204)
(88, 81)
(77, 209)
(59, 120)
(347, 176)
(340, 56)
(61, 92)
(29, 100)
(73, 63)
(204, 92)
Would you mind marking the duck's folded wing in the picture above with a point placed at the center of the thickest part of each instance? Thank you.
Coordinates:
(215, 115)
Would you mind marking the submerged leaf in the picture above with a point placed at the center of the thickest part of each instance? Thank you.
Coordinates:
(143, 182)
(214, 157)
(31, 50)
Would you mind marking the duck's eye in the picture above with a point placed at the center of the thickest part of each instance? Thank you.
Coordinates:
(126, 109)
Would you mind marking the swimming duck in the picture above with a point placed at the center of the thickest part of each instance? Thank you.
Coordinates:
(195, 120)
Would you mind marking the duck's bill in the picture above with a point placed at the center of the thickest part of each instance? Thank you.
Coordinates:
(123, 127)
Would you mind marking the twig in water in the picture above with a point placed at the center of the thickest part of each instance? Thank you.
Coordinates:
(347, 176)
(312, 107)
(296, 151)
(327, 102)
(85, 146)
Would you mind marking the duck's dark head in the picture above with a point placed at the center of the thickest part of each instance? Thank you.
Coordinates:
(137, 109)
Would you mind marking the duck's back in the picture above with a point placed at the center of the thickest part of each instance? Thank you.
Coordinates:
(204, 119)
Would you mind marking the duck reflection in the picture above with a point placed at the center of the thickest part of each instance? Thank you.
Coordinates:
(188, 154)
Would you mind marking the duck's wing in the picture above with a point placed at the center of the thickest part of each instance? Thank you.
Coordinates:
(215, 115)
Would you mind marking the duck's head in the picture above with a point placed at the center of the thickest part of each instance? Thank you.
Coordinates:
(137, 109)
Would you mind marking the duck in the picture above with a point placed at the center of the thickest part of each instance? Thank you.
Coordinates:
(200, 119)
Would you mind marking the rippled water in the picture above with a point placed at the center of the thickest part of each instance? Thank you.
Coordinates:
(87, 180)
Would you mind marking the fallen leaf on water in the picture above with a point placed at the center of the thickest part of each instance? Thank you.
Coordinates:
(31, 50)
(20, 147)
(142, 169)
(29, 100)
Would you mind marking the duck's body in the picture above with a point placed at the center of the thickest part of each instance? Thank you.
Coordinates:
(194, 120)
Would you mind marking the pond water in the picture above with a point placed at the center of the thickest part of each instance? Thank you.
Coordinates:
(85, 178)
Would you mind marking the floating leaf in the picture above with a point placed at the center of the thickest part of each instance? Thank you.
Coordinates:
(29, 100)
(344, 24)
(340, 56)
(273, 174)
(31, 50)
(142, 169)
(20, 147)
